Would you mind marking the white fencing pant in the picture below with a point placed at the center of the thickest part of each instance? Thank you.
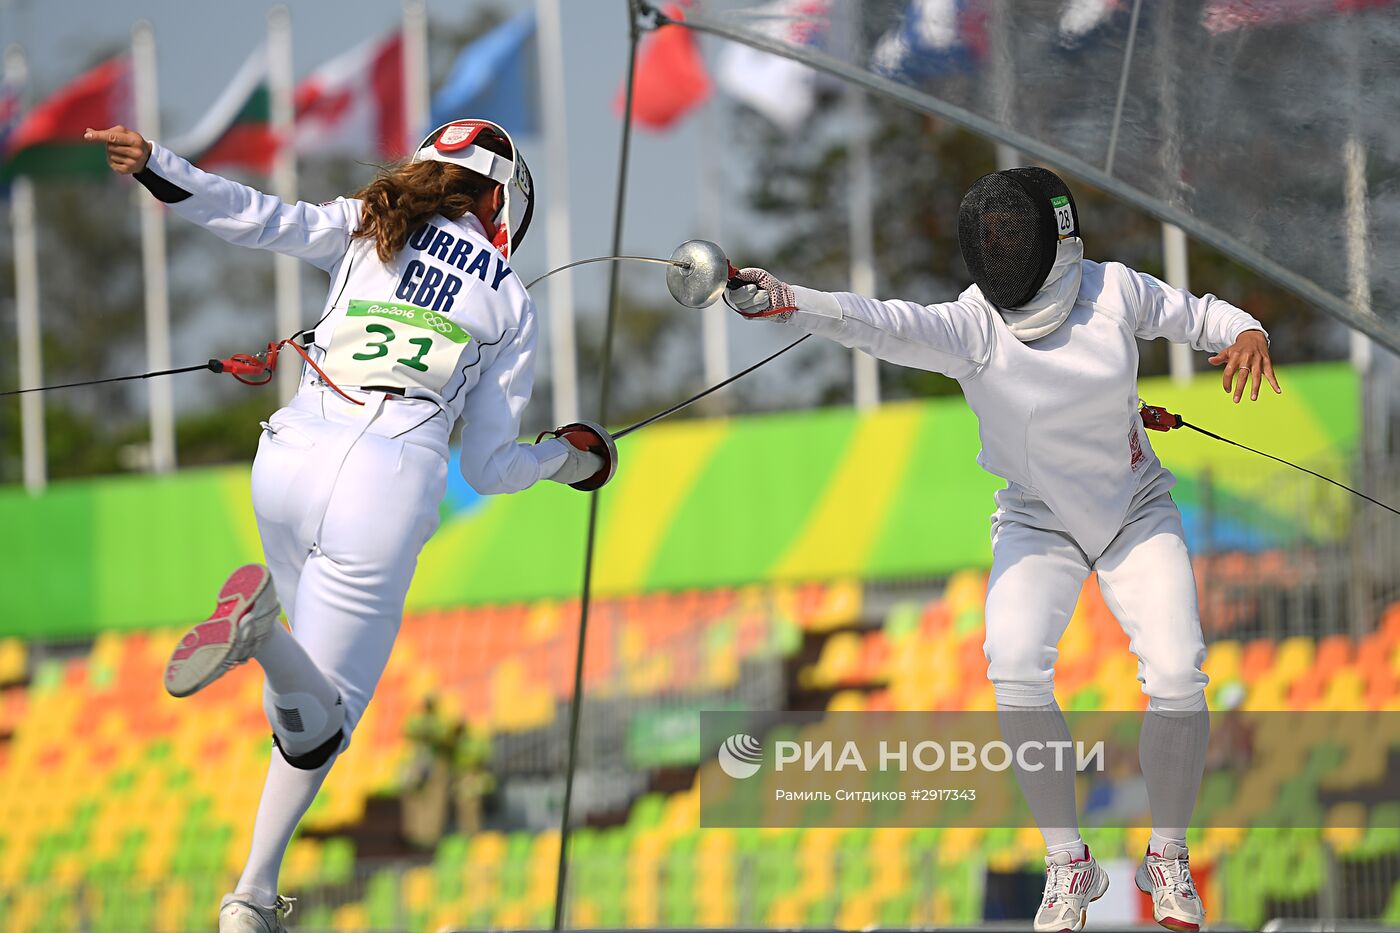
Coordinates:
(343, 514)
(1146, 580)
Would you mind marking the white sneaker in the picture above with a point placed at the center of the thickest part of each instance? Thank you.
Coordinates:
(1167, 878)
(238, 914)
(241, 622)
(1070, 885)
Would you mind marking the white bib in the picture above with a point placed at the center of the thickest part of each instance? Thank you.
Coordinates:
(382, 343)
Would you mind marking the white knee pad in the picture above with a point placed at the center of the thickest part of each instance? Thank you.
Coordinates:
(303, 722)
(1030, 693)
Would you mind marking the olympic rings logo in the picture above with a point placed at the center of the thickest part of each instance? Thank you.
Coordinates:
(438, 323)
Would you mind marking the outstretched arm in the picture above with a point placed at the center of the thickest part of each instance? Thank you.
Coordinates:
(1238, 341)
(493, 460)
(951, 338)
(317, 233)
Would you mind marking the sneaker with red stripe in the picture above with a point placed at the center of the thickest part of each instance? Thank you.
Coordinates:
(1166, 876)
(241, 622)
(1070, 885)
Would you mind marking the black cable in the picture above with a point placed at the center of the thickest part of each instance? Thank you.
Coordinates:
(1212, 434)
(634, 14)
(97, 382)
(714, 388)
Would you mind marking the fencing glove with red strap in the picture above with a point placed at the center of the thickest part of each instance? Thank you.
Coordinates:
(590, 459)
(756, 293)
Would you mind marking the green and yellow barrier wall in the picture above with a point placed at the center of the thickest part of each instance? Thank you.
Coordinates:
(811, 495)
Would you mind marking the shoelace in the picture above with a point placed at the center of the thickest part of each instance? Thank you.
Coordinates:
(1060, 877)
(284, 906)
(1178, 874)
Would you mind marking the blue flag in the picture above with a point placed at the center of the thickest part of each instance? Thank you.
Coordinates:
(493, 79)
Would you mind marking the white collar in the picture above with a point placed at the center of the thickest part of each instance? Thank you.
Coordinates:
(1056, 298)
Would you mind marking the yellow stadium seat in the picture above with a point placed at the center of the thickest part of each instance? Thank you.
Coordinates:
(350, 917)
(14, 661)
(419, 888)
(1223, 660)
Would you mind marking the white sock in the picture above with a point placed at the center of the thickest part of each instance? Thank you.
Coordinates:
(1049, 791)
(1076, 848)
(1172, 754)
(286, 797)
(1157, 843)
(302, 705)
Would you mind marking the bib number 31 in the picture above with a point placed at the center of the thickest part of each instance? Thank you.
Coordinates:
(386, 344)
(376, 350)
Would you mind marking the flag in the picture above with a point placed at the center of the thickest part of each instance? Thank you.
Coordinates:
(781, 89)
(670, 78)
(1082, 19)
(237, 129)
(934, 37)
(353, 105)
(1229, 15)
(48, 142)
(493, 79)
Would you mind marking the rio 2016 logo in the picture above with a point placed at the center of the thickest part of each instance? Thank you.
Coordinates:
(740, 756)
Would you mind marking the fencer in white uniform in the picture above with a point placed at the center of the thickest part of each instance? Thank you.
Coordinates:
(1044, 346)
(425, 324)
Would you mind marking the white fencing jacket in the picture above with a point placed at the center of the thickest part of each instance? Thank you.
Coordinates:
(446, 325)
(1057, 416)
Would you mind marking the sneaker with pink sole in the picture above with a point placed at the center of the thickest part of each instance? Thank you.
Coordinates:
(242, 621)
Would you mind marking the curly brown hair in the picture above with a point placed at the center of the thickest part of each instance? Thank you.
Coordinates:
(406, 195)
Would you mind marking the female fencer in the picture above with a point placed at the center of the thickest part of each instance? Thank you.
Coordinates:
(425, 324)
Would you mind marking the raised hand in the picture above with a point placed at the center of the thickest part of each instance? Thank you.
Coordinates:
(1249, 355)
(127, 150)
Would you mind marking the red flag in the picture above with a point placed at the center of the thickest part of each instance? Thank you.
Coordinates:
(49, 143)
(670, 79)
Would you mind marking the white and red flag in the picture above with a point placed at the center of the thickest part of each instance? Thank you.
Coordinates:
(783, 90)
(353, 105)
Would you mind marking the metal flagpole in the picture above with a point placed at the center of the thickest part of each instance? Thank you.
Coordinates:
(415, 72)
(563, 349)
(865, 369)
(1178, 272)
(714, 320)
(285, 269)
(31, 360)
(1001, 66)
(153, 262)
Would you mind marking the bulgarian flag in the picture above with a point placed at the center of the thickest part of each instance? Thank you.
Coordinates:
(353, 105)
(48, 143)
(237, 130)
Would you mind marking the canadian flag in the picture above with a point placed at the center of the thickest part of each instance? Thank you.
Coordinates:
(354, 104)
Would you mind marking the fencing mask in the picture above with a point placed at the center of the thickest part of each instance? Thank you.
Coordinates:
(463, 143)
(1009, 226)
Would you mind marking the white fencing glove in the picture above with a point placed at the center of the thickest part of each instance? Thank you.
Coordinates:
(590, 455)
(755, 293)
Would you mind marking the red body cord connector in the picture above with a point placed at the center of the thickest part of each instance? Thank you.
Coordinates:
(1157, 418)
(242, 365)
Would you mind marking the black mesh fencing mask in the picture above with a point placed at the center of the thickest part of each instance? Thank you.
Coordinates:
(1009, 226)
